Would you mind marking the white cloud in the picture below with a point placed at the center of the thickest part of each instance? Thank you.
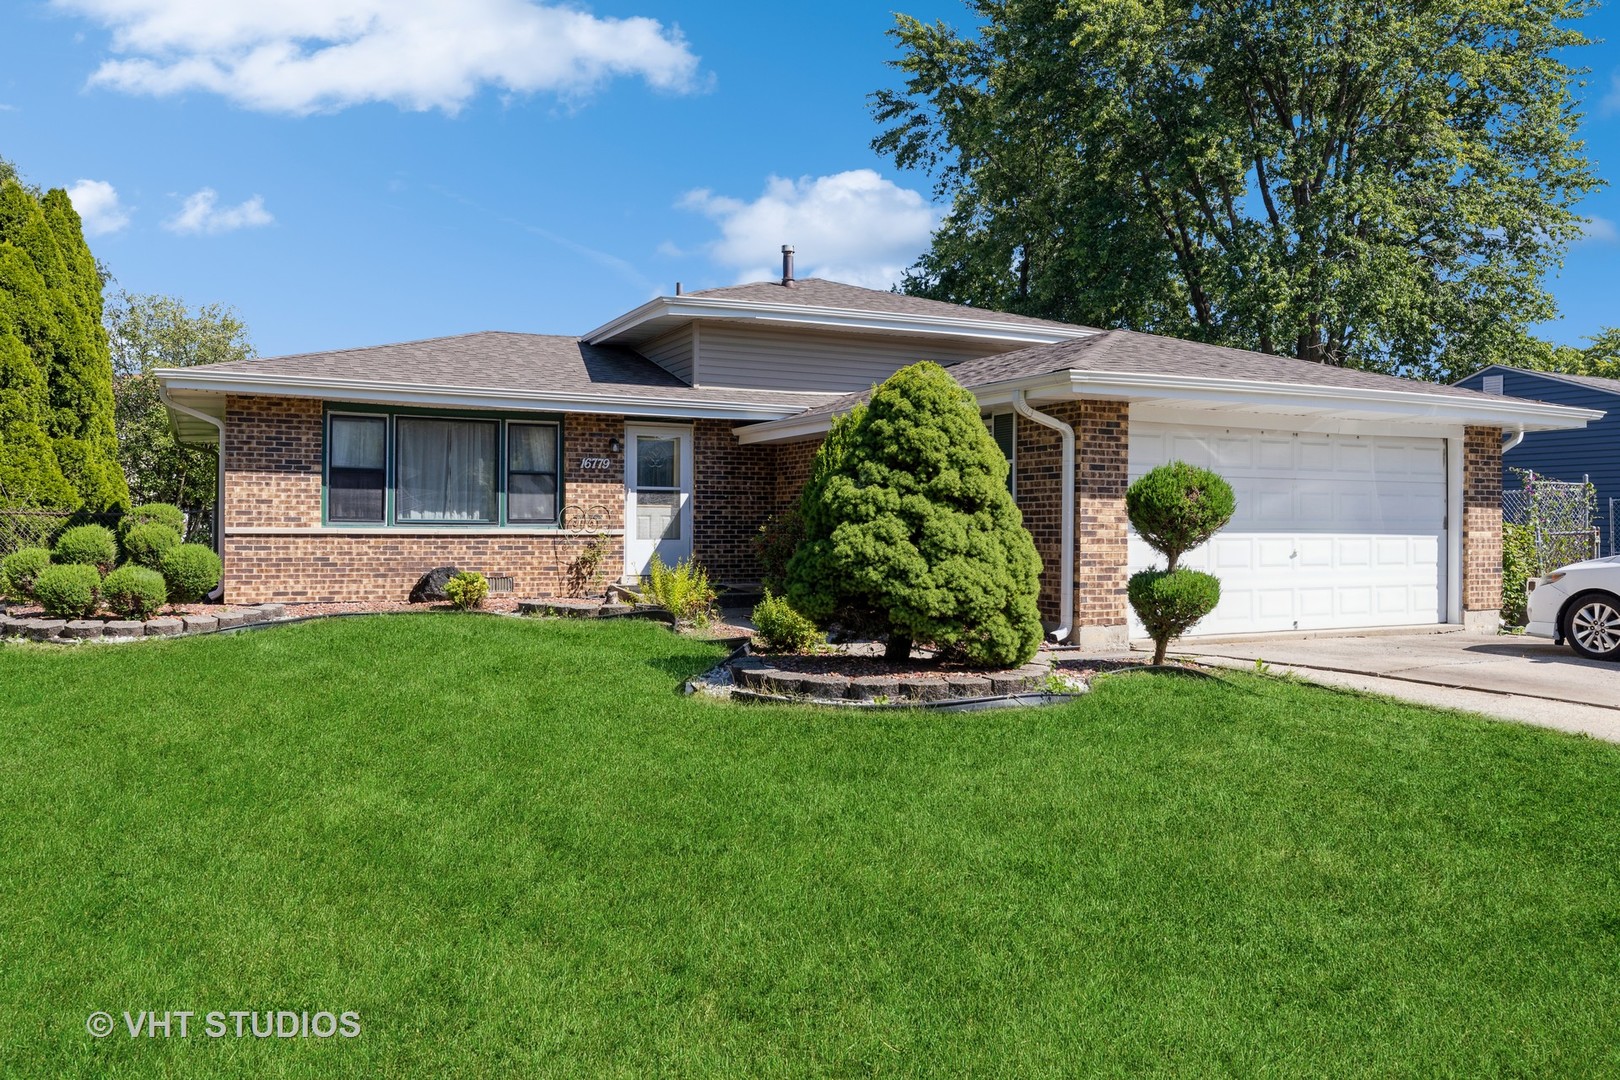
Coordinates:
(854, 227)
(1600, 230)
(1611, 100)
(98, 207)
(303, 56)
(201, 213)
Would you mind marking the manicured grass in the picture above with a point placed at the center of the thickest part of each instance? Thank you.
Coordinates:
(514, 849)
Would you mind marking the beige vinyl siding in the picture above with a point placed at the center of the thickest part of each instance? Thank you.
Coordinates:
(673, 352)
(769, 359)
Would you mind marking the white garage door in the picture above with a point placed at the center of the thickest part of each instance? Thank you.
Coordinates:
(1330, 530)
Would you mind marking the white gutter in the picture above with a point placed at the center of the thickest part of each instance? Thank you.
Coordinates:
(1066, 557)
(219, 478)
(1513, 440)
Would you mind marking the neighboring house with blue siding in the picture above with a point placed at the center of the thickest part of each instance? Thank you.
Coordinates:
(1592, 452)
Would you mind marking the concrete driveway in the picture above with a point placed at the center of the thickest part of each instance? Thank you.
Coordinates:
(1524, 679)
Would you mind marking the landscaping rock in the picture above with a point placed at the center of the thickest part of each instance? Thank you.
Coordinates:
(873, 688)
(430, 588)
(199, 624)
(781, 682)
(163, 627)
(44, 629)
(228, 619)
(924, 689)
(84, 629)
(267, 612)
(1008, 682)
(7, 624)
(969, 686)
(123, 630)
(825, 687)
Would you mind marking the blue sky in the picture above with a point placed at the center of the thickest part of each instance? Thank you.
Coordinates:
(517, 167)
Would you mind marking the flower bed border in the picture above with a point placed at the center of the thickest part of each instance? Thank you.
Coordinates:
(755, 678)
(74, 631)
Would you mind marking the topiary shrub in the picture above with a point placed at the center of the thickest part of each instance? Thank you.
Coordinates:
(467, 590)
(191, 571)
(20, 569)
(134, 592)
(87, 545)
(1175, 508)
(909, 528)
(68, 590)
(780, 629)
(683, 590)
(153, 514)
(145, 545)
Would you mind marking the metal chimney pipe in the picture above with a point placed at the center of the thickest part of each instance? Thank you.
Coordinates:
(787, 265)
(677, 288)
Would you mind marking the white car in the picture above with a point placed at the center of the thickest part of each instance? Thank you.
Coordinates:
(1579, 605)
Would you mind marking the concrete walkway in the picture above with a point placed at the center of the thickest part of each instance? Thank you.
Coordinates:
(1524, 679)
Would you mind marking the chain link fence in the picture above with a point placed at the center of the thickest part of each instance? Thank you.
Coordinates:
(23, 527)
(1559, 517)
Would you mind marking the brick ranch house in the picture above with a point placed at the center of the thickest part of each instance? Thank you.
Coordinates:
(678, 427)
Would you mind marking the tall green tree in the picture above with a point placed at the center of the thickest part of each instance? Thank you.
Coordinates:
(151, 332)
(1369, 183)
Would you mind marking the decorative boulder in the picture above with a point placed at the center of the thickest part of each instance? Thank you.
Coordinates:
(430, 588)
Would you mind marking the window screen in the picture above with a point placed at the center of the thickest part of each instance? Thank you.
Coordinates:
(531, 472)
(357, 468)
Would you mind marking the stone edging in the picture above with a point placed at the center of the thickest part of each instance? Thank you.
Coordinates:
(592, 609)
(756, 676)
(70, 632)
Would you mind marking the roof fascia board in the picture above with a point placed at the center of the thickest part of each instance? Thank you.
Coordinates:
(194, 379)
(698, 307)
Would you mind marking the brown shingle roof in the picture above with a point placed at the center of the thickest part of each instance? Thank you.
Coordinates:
(538, 364)
(818, 292)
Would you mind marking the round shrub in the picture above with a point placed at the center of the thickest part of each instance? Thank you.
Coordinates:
(134, 592)
(781, 629)
(191, 571)
(20, 569)
(1178, 506)
(68, 590)
(153, 514)
(145, 545)
(467, 590)
(87, 545)
(1170, 602)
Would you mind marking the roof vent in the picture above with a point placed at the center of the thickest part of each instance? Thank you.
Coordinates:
(787, 265)
(1493, 384)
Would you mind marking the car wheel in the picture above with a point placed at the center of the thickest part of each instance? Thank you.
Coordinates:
(1592, 625)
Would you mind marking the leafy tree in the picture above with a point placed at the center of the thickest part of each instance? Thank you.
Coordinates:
(909, 526)
(1601, 358)
(151, 332)
(1349, 183)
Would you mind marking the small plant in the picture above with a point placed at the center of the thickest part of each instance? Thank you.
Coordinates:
(683, 590)
(20, 569)
(68, 590)
(586, 569)
(134, 592)
(783, 630)
(467, 590)
(778, 538)
(153, 514)
(1261, 667)
(145, 545)
(1175, 508)
(87, 545)
(191, 572)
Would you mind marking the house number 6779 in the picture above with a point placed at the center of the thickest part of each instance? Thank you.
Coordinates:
(596, 463)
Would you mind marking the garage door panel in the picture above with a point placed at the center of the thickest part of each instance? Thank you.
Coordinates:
(1330, 530)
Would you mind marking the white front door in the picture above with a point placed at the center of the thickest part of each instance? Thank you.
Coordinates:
(657, 496)
(1331, 531)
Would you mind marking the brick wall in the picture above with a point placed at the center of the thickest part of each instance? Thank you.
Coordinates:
(733, 492)
(1101, 475)
(272, 462)
(1482, 519)
(1039, 485)
(793, 470)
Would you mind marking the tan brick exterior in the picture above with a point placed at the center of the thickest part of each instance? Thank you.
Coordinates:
(733, 492)
(1039, 487)
(1482, 519)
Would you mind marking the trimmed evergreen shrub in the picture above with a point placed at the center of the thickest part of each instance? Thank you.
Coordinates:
(1175, 508)
(68, 590)
(19, 571)
(1171, 602)
(134, 592)
(153, 514)
(683, 590)
(145, 545)
(467, 590)
(778, 538)
(87, 545)
(781, 629)
(909, 527)
(191, 572)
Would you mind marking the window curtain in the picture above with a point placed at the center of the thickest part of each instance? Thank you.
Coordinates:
(531, 481)
(446, 470)
(357, 442)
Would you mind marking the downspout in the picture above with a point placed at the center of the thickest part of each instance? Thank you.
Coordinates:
(1513, 440)
(219, 478)
(1066, 557)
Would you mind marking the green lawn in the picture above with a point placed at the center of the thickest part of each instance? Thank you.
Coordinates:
(514, 849)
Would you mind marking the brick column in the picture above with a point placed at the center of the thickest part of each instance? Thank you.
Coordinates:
(1482, 528)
